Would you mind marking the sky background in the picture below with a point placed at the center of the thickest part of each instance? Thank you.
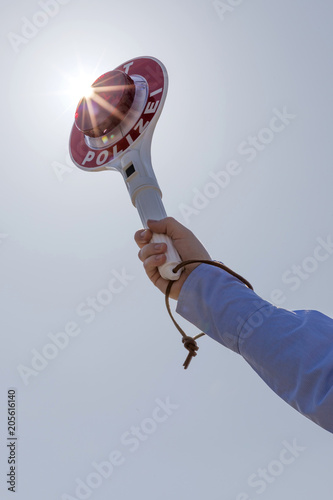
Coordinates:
(65, 233)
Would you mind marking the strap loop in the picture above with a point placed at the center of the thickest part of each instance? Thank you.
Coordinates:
(190, 342)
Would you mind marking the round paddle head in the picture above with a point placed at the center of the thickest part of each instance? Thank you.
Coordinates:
(122, 105)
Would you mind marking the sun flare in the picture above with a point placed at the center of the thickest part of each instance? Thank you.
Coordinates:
(81, 86)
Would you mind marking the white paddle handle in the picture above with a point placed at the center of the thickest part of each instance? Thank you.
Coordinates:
(172, 257)
(149, 205)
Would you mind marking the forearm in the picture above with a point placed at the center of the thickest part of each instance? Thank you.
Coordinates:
(291, 351)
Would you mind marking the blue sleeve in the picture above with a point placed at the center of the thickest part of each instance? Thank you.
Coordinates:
(292, 351)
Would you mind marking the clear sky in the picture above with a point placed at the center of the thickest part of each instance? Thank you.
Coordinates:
(65, 233)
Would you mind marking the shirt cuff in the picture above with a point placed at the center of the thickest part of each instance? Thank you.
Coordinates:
(218, 304)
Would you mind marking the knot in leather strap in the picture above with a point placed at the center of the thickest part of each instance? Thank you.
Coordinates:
(190, 342)
(192, 347)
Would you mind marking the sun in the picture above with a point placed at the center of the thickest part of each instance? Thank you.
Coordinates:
(75, 83)
(81, 86)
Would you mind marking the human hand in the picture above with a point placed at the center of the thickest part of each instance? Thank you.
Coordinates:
(186, 244)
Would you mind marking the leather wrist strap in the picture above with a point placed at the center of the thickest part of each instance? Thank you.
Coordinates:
(190, 342)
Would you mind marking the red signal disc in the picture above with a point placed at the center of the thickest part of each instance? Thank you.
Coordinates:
(93, 159)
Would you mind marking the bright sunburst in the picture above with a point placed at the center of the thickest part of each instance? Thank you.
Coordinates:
(75, 85)
(80, 86)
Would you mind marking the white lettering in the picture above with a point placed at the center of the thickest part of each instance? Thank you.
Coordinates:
(151, 107)
(127, 67)
(89, 156)
(156, 92)
(129, 139)
(141, 126)
(102, 157)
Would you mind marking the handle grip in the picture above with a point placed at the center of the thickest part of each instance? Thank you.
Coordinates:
(149, 205)
(172, 257)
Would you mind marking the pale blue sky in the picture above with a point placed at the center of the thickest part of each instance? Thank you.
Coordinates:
(63, 237)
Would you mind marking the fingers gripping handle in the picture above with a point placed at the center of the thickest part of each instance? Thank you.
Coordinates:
(172, 257)
(149, 205)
